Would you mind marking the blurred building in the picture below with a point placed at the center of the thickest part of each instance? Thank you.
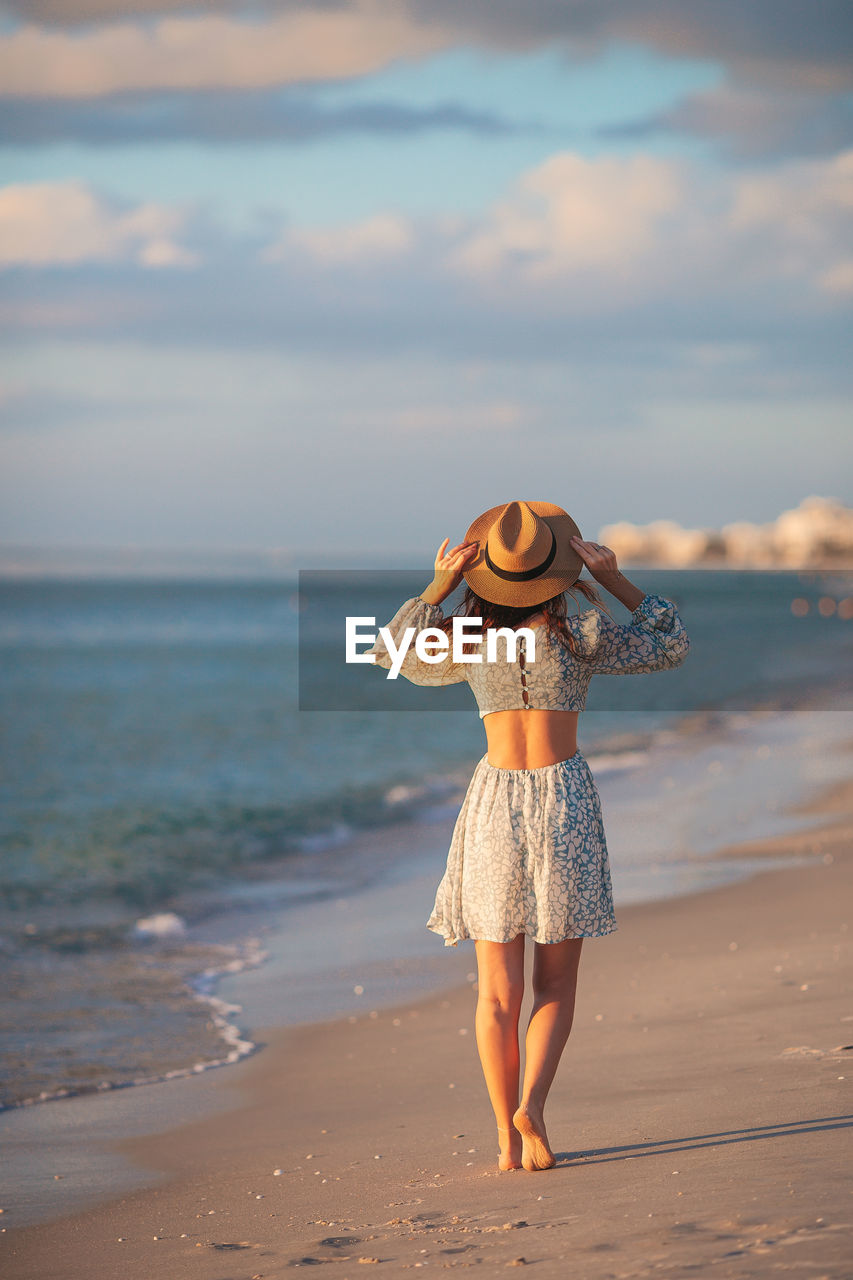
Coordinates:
(816, 534)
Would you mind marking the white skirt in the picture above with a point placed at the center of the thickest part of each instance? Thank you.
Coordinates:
(528, 855)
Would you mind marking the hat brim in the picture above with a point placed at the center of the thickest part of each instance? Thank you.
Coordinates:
(560, 575)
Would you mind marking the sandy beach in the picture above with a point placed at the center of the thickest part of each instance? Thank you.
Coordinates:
(701, 1116)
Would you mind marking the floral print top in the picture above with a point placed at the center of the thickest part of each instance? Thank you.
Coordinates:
(557, 680)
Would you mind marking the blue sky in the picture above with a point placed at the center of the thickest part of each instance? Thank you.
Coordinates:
(397, 262)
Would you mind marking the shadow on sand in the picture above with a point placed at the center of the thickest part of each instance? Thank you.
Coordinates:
(671, 1146)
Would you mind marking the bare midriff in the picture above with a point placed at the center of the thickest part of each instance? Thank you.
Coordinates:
(529, 738)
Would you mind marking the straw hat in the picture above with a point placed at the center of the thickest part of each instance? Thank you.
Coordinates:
(525, 556)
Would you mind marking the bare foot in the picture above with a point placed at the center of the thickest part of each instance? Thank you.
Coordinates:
(510, 1144)
(535, 1153)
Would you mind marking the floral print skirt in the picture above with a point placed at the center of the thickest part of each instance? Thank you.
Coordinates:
(528, 855)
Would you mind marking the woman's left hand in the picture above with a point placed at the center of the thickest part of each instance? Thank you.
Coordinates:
(600, 561)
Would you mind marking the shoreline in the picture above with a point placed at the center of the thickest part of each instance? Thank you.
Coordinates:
(218, 934)
(75, 968)
(750, 948)
(210, 934)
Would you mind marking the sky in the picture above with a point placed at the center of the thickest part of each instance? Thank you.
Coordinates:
(346, 273)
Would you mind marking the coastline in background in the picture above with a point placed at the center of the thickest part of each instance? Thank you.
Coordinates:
(816, 534)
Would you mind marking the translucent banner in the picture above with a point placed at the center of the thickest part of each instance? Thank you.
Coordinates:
(757, 637)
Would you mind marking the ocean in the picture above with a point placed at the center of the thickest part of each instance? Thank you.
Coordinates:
(169, 807)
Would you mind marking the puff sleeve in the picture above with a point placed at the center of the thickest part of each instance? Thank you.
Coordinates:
(654, 640)
(416, 613)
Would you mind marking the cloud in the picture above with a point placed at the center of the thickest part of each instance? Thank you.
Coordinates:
(788, 67)
(165, 43)
(384, 235)
(213, 51)
(754, 122)
(39, 408)
(838, 279)
(619, 230)
(811, 43)
(209, 116)
(578, 253)
(795, 222)
(71, 13)
(442, 419)
(60, 223)
(772, 40)
(572, 214)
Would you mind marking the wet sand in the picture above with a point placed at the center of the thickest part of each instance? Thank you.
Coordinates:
(701, 1116)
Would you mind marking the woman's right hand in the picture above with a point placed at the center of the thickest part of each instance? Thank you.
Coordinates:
(448, 570)
(600, 561)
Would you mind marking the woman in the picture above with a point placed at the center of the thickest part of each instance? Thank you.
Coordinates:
(528, 856)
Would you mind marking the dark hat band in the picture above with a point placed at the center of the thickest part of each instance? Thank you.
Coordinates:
(524, 575)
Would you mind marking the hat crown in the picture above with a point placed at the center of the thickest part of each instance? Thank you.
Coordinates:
(525, 553)
(519, 538)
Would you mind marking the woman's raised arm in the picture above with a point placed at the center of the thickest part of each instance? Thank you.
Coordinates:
(656, 637)
(448, 570)
(422, 612)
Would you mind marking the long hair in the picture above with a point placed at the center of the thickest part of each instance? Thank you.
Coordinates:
(554, 612)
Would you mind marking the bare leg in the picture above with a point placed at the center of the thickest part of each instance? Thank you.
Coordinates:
(499, 994)
(555, 976)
